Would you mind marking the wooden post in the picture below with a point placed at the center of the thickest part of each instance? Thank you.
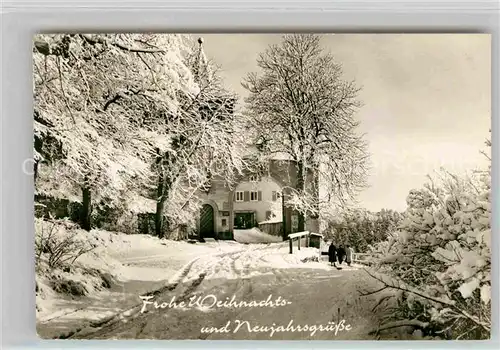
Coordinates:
(290, 240)
(298, 240)
(283, 215)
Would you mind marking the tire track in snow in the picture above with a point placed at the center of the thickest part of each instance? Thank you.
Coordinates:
(134, 311)
(241, 266)
(210, 264)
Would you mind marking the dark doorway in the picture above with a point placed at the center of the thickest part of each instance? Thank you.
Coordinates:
(207, 222)
(244, 220)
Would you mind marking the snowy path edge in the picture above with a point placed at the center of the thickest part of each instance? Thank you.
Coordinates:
(172, 284)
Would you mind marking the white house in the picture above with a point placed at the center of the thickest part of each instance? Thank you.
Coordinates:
(256, 199)
(253, 200)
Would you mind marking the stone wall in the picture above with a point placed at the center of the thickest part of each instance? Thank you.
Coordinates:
(58, 208)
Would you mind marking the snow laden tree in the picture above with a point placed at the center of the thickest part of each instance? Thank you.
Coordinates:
(301, 109)
(361, 228)
(100, 107)
(207, 139)
(439, 260)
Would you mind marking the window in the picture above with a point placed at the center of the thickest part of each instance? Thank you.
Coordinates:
(254, 196)
(276, 196)
(224, 222)
(254, 178)
(239, 196)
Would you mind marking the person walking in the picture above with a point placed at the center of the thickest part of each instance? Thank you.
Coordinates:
(332, 254)
(341, 254)
(348, 255)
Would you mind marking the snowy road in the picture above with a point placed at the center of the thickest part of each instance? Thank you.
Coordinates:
(290, 294)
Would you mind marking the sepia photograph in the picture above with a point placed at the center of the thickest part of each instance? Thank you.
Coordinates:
(291, 186)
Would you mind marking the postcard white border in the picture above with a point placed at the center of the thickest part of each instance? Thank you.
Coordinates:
(21, 19)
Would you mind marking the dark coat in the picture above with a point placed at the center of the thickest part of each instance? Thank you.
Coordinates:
(331, 253)
(341, 253)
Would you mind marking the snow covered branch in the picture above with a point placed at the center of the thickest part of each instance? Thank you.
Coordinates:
(440, 256)
(112, 102)
(301, 107)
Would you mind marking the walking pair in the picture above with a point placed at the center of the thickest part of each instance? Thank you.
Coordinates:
(339, 254)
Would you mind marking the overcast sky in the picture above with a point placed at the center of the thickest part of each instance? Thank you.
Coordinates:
(427, 100)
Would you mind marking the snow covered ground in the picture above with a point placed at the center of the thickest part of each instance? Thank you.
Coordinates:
(138, 264)
(315, 293)
(254, 235)
(144, 264)
(141, 264)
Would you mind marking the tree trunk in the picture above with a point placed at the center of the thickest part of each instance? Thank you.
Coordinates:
(315, 214)
(35, 170)
(159, 218)
(38, 148)
(313, 219)
(164, 186)
(301, 222)
(301, 189)
(86, 206)
(160, 205)
(283, 216)
(160, 195)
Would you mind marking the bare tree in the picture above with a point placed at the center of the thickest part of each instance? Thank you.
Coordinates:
(303, 109)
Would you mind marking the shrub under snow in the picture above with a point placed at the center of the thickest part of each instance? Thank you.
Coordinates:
(440, 258)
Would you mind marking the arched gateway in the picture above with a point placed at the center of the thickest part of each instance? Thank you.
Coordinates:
(223, 208)
(208, 227)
